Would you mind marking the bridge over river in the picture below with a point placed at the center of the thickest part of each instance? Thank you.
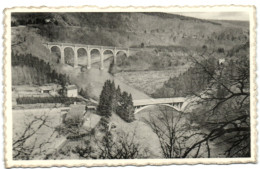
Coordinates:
(178, 103)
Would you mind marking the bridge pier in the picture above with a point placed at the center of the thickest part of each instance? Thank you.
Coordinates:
(62, 56)
(114, 57)
(75, 58)
(89, 59)
(101, 60)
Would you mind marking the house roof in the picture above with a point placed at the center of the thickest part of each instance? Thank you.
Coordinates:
(76, 110)
(71, 87)
(50, 86)
(46, 87)
(79, 108)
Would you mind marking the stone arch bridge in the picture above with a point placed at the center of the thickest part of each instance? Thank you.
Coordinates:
(178, 103)
(88, 49)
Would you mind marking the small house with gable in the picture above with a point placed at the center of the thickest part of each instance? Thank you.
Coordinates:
(71, 91)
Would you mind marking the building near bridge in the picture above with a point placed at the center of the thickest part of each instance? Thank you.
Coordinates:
(73, 112)
(71, 91)
(49, 88)
(46, 89)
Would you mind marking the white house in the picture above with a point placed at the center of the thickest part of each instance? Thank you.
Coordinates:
(71, 91)
(221, 61)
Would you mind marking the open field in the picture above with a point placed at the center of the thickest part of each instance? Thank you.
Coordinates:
(149, 81)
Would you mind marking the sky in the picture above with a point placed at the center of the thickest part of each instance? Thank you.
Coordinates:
(243, 16)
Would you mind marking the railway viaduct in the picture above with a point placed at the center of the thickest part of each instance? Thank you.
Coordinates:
(88, 49)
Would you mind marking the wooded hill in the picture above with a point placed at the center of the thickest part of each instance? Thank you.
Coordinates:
(130, 29)
(196, 79)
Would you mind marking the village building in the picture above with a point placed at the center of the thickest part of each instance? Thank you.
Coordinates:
(75, 110)
(71, 91)
(49, 88)
(221, 61)
(91, 108)
(45, 89)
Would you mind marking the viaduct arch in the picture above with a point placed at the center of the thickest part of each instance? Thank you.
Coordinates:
(88, 49)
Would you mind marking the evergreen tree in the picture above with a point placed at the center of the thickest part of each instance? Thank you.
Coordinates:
(104, 124)
(113, 97)
(118, 96)
(125, 108)
(104, 107)
(130, 109)
(112, 100)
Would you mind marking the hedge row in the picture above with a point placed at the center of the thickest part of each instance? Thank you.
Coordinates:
(34, 100)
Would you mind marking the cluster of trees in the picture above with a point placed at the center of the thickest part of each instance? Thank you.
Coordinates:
(44, 72)
(113, 100)
(35, 100)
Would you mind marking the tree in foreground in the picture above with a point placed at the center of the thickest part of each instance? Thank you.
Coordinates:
(104, 107)
(110, 145)
(221, 111)
(174, 132)
(25, 145)
(226, 104)
(126, 109)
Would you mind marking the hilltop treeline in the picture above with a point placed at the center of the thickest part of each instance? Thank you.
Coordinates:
(41, 71)
(130, 29)
(90, 19)
(113, 100)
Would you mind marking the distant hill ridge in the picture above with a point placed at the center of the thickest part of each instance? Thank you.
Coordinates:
(132, 29)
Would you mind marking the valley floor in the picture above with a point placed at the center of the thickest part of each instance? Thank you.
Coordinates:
(148, 81)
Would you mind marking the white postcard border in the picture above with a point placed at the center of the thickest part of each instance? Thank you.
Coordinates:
(9, 162)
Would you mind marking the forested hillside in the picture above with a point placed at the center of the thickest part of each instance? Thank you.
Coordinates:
(28, 69)
(196, 79)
